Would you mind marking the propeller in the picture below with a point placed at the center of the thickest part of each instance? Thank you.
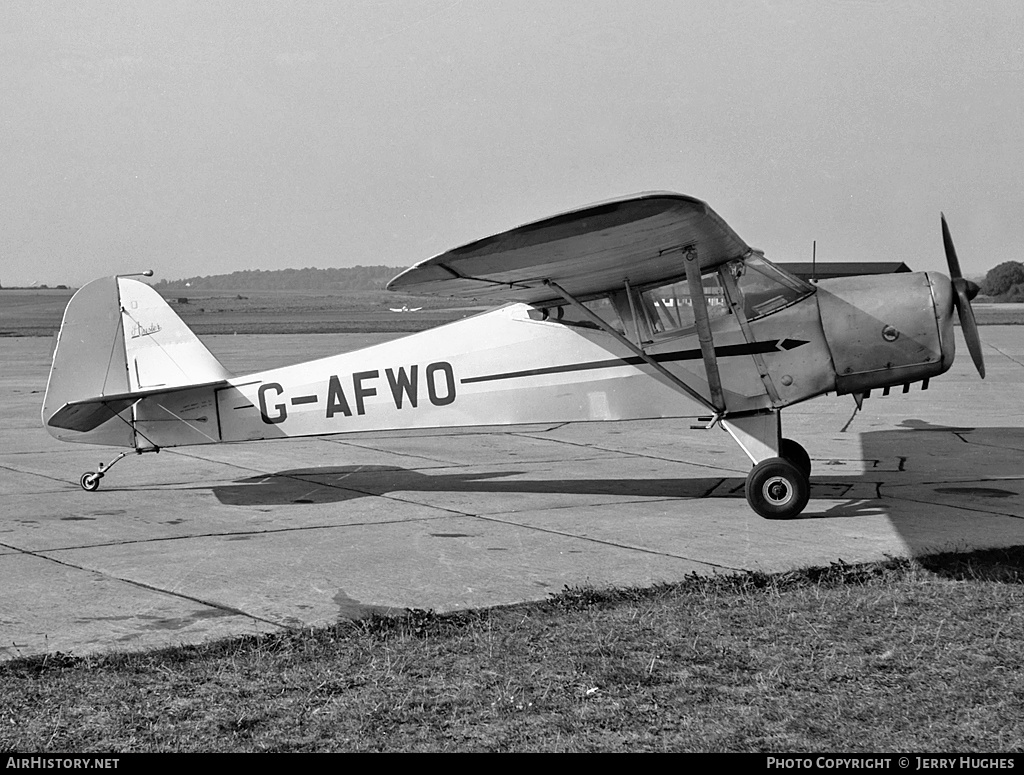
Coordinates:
(964, 291)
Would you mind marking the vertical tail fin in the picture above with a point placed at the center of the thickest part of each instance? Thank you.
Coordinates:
(119, 337)
(160, 350)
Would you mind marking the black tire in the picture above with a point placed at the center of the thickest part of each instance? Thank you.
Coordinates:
(797, 455)
(777, 489)
(90, 481)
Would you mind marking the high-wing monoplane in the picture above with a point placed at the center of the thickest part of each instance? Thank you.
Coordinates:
(643, 307)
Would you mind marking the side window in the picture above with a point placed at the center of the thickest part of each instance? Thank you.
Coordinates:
(668, 309)
(568, 315)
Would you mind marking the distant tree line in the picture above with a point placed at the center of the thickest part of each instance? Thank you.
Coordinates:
(1005, 282)
(39, 287)
(354, 278)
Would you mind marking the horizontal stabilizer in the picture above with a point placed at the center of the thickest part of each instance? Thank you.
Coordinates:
(84, 415)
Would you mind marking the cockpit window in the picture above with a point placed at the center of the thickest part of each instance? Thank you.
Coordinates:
(765, 288)
(666, 311)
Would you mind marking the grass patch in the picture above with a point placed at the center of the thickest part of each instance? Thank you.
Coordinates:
(903, 655)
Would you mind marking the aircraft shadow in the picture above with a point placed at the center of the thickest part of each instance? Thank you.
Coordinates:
(907, 469)
(975, 474)
(336, 484)
(341, 483)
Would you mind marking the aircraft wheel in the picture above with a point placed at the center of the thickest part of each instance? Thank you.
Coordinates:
(91, 481)
(797, 455)
(777, 489)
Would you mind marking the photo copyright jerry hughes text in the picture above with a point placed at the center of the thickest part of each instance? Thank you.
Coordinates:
(891, 762)
(60, 763)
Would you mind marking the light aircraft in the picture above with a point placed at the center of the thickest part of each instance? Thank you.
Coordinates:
(642, 307)
(405, 308)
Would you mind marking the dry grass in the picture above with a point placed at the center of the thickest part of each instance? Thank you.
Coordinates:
(920, 656)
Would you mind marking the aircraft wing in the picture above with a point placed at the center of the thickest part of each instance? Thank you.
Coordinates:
(587, 251)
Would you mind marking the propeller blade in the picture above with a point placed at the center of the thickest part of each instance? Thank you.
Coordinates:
(970, 328)
(964, 291)
(951, 259)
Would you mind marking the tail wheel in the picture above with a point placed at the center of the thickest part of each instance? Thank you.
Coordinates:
(777, 489)
(797, 455)
(90, 481)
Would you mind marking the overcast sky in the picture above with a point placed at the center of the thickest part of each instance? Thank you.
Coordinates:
(207, 137)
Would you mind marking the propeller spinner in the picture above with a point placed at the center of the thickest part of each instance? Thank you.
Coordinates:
(964, 290)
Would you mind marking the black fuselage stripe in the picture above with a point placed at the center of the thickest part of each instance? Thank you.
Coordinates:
(728, 351)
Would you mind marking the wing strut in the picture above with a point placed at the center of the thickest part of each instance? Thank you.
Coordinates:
(700, 318)
(597, 320)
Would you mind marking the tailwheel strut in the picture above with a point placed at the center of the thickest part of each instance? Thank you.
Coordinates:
(90, 480)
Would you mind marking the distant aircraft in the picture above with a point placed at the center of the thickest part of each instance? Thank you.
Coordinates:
(406, 308)
(589, 334)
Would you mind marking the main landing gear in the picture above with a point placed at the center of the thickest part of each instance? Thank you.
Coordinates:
(778, 486)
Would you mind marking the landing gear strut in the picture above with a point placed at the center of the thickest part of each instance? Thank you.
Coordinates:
(778, 486)
(90, 480)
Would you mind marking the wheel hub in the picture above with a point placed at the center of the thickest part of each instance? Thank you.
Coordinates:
(778, 491)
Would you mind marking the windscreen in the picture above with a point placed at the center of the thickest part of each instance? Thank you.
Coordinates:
(764, 288)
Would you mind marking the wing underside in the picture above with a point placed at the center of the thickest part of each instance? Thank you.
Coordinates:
(587, 252)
